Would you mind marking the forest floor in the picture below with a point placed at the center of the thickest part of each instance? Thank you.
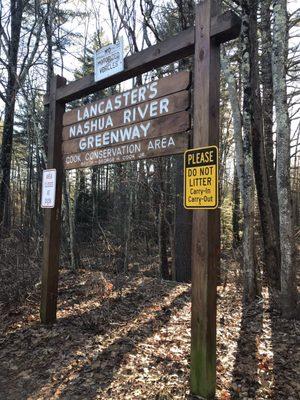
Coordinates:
(128, 337)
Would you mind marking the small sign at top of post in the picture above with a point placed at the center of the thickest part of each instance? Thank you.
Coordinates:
(108, 60)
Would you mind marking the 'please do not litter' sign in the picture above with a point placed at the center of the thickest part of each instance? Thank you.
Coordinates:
(201, 178)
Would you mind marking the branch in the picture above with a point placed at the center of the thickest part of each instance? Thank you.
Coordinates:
(147, 23)
(127, 26)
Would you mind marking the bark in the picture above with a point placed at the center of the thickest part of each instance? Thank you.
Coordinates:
(268, 226)
(122, 213)
(267, 102)
(6, 155)
(15, 78)
(243, 151)
(235, 211)
(95, 172)
(162, 242)
(119, 197)
(127, 232)
(16, 10)
(162, 225)
(280, 45)
(48, 24)
(183, 229)
(127, 218)
(28, 202)
(69, 213)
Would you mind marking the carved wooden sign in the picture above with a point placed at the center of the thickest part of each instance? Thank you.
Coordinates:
(148, 121)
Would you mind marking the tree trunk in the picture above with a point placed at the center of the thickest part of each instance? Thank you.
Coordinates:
(48, 23)
(28, 202)
(6, 155)
(268, 100)
(162, 241)
(268, 226)
(73, 248)
(183, 229)
(95, 206)
(235, 211)
(127, 219)
(162, 225)
(16, 10)
(244, 167)
(280, 46)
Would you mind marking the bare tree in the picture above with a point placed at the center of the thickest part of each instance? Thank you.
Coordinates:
(268, 226)
(243, 153)
(280, 46)
(17, 62)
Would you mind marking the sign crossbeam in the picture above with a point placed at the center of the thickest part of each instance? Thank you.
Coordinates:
(224, 27)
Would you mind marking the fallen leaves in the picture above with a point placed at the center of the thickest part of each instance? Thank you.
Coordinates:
(225, 395)
(131, 340)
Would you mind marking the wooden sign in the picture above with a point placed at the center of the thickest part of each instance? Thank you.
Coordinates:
(153, 90)
(151, 109)
(165, 125)
(140, 123)
(148, 148)
(201, 178)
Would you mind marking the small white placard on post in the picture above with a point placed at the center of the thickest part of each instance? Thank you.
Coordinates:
(48, 188)
(108, 61)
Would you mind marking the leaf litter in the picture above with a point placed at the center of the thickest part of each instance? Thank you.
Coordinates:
(128, 337)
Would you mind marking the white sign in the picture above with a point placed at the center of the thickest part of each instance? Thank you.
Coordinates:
(48, 188)
(108, 61)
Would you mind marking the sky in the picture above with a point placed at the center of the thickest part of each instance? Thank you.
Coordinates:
(99, 18)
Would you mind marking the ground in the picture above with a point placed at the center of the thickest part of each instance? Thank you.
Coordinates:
(128, 337)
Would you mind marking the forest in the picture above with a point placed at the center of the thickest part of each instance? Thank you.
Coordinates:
(123, 328)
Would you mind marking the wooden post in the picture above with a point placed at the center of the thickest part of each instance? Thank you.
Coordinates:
(52, 216)
(206, 224)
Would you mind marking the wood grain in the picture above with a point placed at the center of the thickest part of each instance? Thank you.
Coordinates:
(52, 216)
(206, 223)
(129, 152)
(161, 126)
(177, 102)
(165, 86)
